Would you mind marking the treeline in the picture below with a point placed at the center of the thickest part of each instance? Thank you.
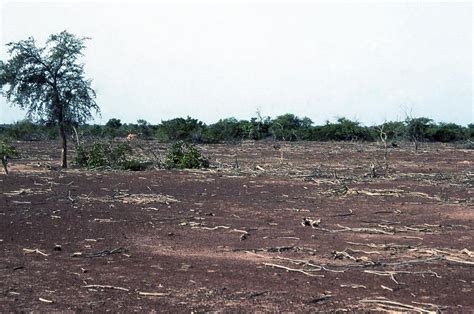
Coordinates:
(286, 127)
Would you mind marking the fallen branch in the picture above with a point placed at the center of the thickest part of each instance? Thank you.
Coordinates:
(35, 251)
(292, 269)
(353, 286)
(396, 305)
(388, 246)
(277, 249)
(106, 287)
(392, 273)
(212, 228)
(360, 230)
(316, 267)
(344, 215)
(153, 294)
(101, 253)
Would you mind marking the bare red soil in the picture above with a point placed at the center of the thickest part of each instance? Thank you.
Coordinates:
(303, 228)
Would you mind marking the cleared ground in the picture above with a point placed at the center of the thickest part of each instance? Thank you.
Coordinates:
(303, 227)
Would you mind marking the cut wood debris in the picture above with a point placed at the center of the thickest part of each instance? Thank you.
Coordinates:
(311, 222)
(35, 251)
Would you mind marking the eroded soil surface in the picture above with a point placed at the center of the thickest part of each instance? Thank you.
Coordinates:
(305, 227)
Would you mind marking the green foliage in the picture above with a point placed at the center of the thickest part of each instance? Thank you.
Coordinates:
(470, 130)
(395, 130)
(132, 164)
(27, 130)
(112, 128)
(183, 155)
(24, 130)
(179, 129)
(228, 130)
(447, 132)
(99, 155)
(7, 150)
(113, 123)
(343, 130)
(49, 81)
(289, 127)
(417, 128)
(144, 128)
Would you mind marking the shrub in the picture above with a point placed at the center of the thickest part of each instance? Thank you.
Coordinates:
(395, 130)
(417, 128)
(448, 132)
(227, 130)
(6, 151)
(179, 129)
(289, 127)
(24, 130)
(132, 164)
(100, 155)
(343, 130)
(113, 123)
(185, 156)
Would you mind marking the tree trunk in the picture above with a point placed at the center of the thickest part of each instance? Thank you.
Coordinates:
(62, 134)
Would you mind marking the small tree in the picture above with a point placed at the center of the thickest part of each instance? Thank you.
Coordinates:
(6, 151)
(49, 82)
(113, 123)
(417, 129)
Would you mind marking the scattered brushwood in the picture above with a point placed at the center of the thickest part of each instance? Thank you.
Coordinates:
(322, 172)
(388, 260)
(386, 228)
(129, 198)
(103, 253)
(108, 156)
(382, 304)
(183, 155)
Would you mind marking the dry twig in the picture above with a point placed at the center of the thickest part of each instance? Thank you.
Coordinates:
(35, 251)
(292, 269)
(105, 287)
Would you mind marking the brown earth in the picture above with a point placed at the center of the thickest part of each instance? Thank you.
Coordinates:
(235, 238)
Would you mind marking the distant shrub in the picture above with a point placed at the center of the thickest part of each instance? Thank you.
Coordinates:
(289, 127)
(113, 123)
(470, 130)
(395, 130)
(23, 130)
(100, 155)
(179, 129)
(343, 130)
(447, 132)
(183, 155)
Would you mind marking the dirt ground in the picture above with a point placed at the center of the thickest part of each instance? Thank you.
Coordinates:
(304, 227)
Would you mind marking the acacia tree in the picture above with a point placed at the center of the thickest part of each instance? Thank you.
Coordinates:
(49, 82)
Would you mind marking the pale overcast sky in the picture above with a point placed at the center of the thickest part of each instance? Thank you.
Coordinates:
(365, 61)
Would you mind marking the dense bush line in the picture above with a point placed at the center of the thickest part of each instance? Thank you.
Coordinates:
(286, 127)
